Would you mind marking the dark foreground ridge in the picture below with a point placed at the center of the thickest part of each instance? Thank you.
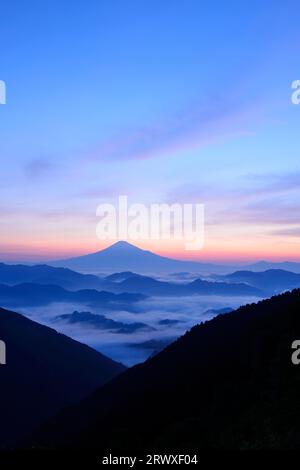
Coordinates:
(228, 383)
(44, 372)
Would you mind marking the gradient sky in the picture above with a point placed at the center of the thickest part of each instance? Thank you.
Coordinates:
(163, 101)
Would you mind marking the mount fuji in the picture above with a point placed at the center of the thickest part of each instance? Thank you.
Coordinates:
(123, 256)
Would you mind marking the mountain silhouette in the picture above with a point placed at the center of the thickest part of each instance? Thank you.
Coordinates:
(103, 323)
(123, 256)
(45, 371)
(29, 294)
(267, 265)
(272, 281)
(12, 274)
(137, 283)
(228, 383)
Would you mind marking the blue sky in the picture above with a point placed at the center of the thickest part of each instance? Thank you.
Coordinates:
(163, 101)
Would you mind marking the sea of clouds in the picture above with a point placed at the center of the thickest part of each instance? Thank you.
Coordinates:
(132, 348)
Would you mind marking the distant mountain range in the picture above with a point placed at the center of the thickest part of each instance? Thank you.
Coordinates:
(12, 274)
(123, 256)
(45, 372)
(28, 294)
(132, 282)
(121, 290)
(27, 286)
(266, 265)
(227, 384)
(271, 281)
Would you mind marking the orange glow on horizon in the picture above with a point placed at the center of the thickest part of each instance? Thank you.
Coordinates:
(230, 251)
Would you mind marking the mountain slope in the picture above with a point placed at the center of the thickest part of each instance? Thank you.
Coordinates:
(29, 294)
(272, 281)
(228, 383)
(137, 283)
(45, 372)
(123, 256)
(266, 265)
(12, 274)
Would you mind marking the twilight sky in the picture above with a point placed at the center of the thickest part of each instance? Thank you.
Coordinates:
(163, 101)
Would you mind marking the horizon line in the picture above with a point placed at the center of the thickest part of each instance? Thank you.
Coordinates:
(34, 258)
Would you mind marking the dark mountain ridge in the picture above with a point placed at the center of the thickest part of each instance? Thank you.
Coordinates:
(45, 371)
(228, 383)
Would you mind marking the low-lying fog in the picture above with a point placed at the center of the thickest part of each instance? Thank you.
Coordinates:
(164, 319)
